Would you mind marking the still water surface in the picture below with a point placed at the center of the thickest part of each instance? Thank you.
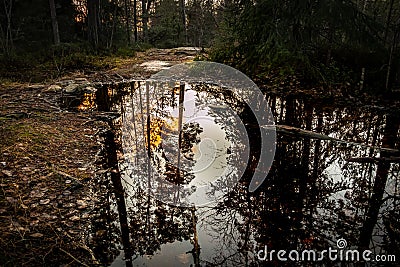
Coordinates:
(316, 191)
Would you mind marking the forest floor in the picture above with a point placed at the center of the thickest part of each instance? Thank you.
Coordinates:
(48, 158)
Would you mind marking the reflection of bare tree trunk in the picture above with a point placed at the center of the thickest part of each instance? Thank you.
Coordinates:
(181, 100)
(148, 157)
(134, 121)
(119, 194)
(305, 157)
(54, 22)
(316, 162)
(146, 143)
(148, 132)
(196, 246)
(290, 118)
(248, 229)
(374, 203)
(371, 151)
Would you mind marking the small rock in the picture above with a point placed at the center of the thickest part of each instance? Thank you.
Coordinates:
(90, 89)
(71, 88)
(68, 181)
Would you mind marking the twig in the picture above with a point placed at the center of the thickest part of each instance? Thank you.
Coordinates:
(95, 261)
(75, 259)
(64, 174)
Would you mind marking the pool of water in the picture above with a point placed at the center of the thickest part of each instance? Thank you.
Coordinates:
(176, 144)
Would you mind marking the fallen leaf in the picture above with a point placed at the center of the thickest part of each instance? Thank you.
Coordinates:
(44, 201)
(7, 173)
(38, 235)
(81, 204)
(75, 218)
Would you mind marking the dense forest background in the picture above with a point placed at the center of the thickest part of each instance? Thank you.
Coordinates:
(330, 42)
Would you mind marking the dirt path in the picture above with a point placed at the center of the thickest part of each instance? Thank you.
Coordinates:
(48, 165)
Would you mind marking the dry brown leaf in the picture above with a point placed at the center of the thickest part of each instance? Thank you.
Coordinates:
(44, 201)
(37, 235)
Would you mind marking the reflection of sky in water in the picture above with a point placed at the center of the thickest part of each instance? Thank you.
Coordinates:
(330, 163)
(210, 154)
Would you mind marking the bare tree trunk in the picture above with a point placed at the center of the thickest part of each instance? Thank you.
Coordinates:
(183, 17)
(127, 18)
(388, 20)
(114, 27)
(392, 49)
(54, 23)
(93, 21)
(144, 19)
(135, 20)
(8, 43)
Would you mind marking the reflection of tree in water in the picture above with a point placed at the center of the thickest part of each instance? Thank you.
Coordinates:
(314, 193)
(189, 137)
(166, 224)
(212, 94)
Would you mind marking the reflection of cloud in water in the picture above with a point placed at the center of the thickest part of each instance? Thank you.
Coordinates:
(210, 154)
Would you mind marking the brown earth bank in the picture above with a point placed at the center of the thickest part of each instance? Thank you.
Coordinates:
(49, 160)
